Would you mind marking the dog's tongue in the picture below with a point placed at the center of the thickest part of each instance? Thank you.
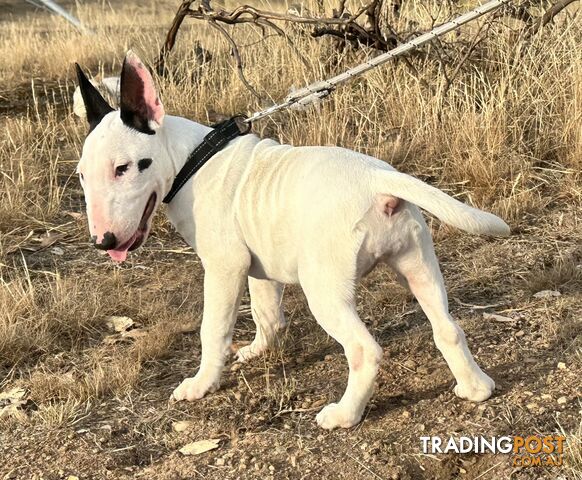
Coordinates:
(118, 255)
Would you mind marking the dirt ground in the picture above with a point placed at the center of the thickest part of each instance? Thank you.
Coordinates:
(264, 412)
(94, 403)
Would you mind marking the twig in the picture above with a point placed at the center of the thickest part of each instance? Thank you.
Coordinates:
(488, 470)
(296, 410)
(237, 58)
(365, 466)
(478, 307)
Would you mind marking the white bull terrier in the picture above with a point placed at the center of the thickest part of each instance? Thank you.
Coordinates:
(322, 217)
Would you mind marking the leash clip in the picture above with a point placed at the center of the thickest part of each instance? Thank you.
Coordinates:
(242, 123)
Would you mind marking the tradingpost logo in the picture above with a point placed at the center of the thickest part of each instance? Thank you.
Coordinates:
(526, 451)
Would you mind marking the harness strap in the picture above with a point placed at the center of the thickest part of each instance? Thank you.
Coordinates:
(212, 143)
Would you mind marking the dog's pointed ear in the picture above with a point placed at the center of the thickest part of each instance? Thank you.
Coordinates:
(96, 107)
(140, 105)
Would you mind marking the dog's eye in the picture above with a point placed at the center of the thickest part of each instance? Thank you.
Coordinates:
(121, 169)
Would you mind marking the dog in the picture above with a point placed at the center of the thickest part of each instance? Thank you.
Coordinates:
(272, 214)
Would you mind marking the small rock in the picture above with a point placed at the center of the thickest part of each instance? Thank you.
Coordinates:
(406, 414)
(497, 318)
(547, 294)
(319, 403)
(181, 426)
(220, 462)
(410, 364)
(521, 333)
(562, 401)
(546, 396)
(328, 358)
(119, 324)
(236, 367)
(271, 468)
(462, 470)
(561, 366)
(532, 406)
(201, 446)
(57, 251)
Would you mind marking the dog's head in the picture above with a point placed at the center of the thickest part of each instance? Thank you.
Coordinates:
(122, 160)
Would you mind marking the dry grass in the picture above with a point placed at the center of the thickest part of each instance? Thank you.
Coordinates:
(506, 137)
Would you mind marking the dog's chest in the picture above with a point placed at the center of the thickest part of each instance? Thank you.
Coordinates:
(182, 219)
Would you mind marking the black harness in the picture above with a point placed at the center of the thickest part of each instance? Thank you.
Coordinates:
(212, 143)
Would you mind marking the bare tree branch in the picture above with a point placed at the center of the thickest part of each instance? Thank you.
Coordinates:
(367, 26)
(171, 36)
(548, 16)
(237, 58)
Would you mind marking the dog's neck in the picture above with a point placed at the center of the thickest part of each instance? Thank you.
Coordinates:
(180, 137)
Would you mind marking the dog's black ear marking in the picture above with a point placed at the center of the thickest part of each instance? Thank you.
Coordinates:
(95, 105)
(143, 164)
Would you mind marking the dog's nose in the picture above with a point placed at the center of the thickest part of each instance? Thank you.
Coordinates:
(107, 243)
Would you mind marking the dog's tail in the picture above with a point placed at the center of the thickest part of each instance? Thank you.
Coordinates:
(441, 205)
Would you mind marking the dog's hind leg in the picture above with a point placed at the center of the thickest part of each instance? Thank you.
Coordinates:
(330, 294)
(419, 267)
(267, 314)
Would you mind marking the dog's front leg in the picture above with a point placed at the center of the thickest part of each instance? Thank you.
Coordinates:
(223, 287)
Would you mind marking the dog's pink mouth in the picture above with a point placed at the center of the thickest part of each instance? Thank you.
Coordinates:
(119, 253)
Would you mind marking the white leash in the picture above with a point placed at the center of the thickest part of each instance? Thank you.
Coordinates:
(323, 88)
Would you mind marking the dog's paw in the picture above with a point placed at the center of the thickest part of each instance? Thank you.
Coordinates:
(248, 352)
(193, 389)
(477, 390)
(336, 416)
